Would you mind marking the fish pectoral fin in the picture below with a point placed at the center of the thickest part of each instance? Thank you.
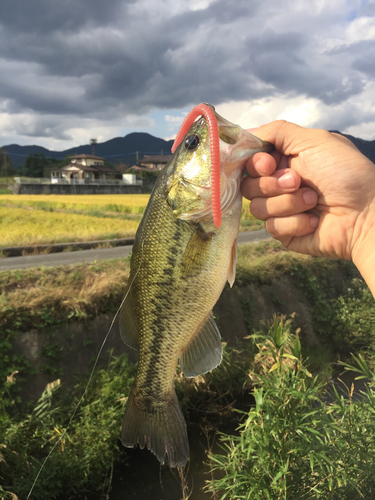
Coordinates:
(196, 252)
(233, 264)
(128, 324)
(204, 351)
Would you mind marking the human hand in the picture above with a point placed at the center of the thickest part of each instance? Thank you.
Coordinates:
(329, 207)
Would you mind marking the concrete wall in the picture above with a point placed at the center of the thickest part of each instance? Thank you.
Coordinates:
(80, 342)
(74, 189)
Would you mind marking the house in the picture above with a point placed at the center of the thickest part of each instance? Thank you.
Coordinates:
(84, 169)
(155, 162)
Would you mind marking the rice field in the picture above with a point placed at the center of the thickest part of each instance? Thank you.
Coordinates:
(46, 219)
(104, 203)
(37, 219)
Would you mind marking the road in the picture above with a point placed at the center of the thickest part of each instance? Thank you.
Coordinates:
(81, 256)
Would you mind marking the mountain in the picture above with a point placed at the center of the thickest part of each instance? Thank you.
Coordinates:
(117, 150)
(123, 149)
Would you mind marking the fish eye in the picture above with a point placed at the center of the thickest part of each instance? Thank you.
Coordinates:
(192, 142)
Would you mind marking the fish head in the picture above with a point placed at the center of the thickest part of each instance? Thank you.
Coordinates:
(189, 183)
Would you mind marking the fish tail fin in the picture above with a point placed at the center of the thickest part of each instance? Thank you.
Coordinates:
(162, 430)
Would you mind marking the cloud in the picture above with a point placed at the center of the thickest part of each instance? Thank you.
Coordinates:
(72, 67)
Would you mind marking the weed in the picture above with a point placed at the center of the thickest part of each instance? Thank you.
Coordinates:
(80, 461)
(293, 444)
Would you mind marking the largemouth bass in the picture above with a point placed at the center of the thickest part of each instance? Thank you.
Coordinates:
(179, 266)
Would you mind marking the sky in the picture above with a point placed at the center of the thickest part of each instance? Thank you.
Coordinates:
(72, 70)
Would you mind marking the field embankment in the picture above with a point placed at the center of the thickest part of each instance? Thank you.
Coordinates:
(45, 312)
(55, 320)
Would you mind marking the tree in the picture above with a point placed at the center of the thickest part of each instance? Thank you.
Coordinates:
(38, 165)
(33, 166)
(6, 167)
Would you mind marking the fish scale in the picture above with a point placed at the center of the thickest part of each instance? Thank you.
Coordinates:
(179, 266)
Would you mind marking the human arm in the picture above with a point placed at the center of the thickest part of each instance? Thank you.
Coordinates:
(338, 182)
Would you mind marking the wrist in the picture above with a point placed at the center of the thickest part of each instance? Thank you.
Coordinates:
(364, 252)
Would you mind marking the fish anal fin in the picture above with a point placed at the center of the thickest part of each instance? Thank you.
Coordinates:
(128, 323)
(233, 264)
(161, 430)
(196, 252)
(204, 351)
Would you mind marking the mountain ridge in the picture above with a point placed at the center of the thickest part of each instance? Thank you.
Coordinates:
(117, 150)
(123, 149)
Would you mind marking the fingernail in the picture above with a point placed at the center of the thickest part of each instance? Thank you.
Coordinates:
(286, 181)
(314, 222)
(309, 197)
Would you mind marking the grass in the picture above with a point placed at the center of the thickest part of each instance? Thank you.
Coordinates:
(41, 297)
(292, 443)
(248, 222)
(81, 462)
(83, 287)
(80, 290)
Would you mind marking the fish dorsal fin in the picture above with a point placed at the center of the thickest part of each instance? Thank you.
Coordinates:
(204, 351)
(128, 323)
(196, 252)
(233, 264)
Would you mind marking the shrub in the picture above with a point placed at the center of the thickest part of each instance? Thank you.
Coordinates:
(294, 444)
(63, 455)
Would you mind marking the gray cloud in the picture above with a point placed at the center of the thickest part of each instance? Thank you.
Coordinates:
(104, 60)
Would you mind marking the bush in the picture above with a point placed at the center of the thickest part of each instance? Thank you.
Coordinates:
(294, 444)
(65, 455)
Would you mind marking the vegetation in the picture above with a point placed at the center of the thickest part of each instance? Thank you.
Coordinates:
(45, 298)
(83, 204)
(40, 227)
(78, 461)
(6, 167)
(70, 218)
(304, 443)
(293, 443)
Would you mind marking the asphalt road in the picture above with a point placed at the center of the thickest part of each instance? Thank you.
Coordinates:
(77, 257)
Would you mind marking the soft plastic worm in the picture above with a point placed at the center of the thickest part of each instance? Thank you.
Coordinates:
(209, 114)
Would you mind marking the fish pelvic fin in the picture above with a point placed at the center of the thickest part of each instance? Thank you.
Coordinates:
(233, 264)
(204, 352)
(162, 430)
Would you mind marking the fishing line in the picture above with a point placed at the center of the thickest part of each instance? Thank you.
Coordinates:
(153, 228)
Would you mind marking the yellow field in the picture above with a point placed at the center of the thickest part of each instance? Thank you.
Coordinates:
(44, 219)
(123, 203)
(19, 227)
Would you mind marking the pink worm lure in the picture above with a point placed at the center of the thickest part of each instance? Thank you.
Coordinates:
(209, 114)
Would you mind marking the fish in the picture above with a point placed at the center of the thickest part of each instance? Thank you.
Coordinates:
(180, 263)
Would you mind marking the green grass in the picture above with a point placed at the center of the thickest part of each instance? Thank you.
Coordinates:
(292, 443)
(275, 460)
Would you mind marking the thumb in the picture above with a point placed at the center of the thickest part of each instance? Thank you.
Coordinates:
(288, 138)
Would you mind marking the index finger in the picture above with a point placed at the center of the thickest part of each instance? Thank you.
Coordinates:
(260, 165)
